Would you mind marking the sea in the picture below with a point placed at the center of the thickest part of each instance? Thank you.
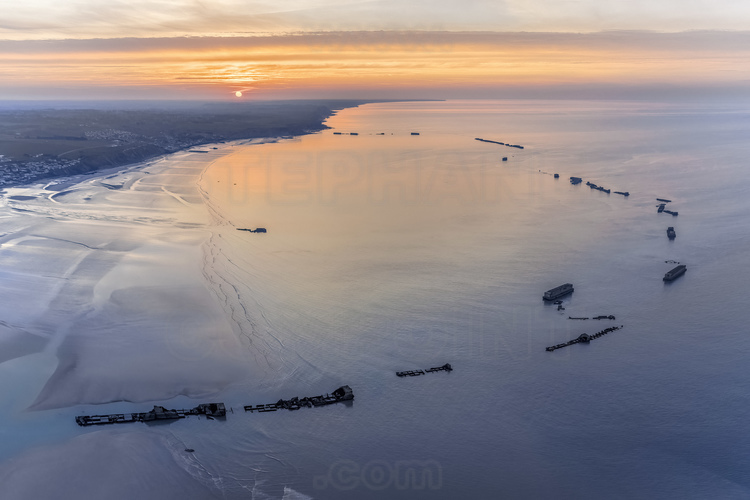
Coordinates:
(397, 241)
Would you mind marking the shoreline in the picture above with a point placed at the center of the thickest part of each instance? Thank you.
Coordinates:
(38, 194)
(103, 140)
(458, 285)
(128, 271)
(43, 349)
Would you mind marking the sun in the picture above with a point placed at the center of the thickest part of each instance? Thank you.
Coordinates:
(238, 93)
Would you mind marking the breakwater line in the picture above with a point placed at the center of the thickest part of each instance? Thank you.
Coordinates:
(498, 142)
(584, 338)
(209, 410)
(415, 373)
(217, 410)
(340, 395)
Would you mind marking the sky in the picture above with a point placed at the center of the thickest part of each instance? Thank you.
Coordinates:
(212, 49)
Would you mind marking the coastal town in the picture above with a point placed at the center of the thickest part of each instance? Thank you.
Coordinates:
(38, 144)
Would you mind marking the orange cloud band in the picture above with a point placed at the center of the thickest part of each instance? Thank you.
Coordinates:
(372, 60)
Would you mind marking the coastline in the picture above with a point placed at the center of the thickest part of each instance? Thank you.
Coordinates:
(174, 200)
(45, 344)
(465, 290)
(46, 148)
(130, 270)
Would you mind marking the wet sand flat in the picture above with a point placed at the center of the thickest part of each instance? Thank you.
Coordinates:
(112, 282)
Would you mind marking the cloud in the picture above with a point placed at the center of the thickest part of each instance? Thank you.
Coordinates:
(53, 19)
(662, 15)
(377, 63)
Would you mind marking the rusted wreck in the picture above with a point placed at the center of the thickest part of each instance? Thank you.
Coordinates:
(340, 395)
(209, 410)
(414, 373)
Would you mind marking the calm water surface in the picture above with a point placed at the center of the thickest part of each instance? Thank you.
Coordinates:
(398, 251)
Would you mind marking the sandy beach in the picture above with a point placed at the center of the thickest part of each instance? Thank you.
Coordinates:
(108, 272)
(120, 287)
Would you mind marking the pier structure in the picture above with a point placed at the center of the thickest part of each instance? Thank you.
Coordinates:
(598, 188)
(415, 373)
(595, 317)
(584, 338)
(340, 395)
(675, 273)
(557, 292)
(517, 146)
(210, 410)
